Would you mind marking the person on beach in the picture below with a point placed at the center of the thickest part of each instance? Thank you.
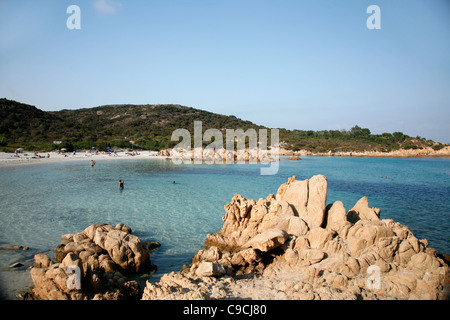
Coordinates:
(121, 184)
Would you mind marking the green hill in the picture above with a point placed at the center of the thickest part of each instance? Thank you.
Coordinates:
(123, 126)
(150, 127)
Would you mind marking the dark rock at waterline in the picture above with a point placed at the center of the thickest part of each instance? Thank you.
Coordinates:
(16, 265)
(152, 245)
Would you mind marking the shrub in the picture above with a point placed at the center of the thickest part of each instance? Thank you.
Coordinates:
(438, 147)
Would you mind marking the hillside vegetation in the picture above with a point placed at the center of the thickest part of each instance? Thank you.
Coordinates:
(150, 127)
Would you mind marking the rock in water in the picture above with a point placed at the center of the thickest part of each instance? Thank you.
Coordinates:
(125, 249)
(16, 265)
(91, 266)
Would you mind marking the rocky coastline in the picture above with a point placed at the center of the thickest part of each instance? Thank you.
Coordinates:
(253, 155)
(292, 245)
(401, 153)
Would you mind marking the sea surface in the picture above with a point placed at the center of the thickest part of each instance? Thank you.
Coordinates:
(40, 202)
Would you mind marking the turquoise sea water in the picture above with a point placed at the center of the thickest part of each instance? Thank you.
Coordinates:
(40, 202)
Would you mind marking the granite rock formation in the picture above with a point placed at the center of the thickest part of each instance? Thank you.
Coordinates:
(294, 246)
(92, 264)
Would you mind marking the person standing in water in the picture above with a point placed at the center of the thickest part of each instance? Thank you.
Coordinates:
(121, 184)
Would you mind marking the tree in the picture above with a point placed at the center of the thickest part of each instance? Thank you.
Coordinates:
(356, 129)
(365, 132)
(399, 136)
(68, 146)
(3, 141)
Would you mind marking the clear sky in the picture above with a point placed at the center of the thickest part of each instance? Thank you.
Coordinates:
(310, 65)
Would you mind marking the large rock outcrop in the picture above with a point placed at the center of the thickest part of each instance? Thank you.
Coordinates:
(294, 246)
(298, 205)
(92, 264)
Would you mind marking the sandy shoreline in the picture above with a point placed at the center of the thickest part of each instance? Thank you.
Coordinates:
(7, 159)
(49, 157)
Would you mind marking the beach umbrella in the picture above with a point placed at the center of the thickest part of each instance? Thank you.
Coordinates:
(63, 149)
(19, 149)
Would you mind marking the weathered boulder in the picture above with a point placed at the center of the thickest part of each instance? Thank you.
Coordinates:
(41, 260)
(268, 240)
(282, 216)
(305, 257)
(240, 222)
(317, 198)
(336, 216)
(123, 227)
(365, 233)
(90, 266)
(424, 262)
(125, 249)
(211, 254)
(318, 237)
(362, 211)
(308, 198)
(295, 193)
(245, 257)
(210, 269)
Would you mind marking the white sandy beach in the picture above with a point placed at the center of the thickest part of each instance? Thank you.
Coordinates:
(25, 157)
(29, 157)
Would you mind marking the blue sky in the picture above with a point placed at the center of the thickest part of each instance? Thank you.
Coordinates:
(311, 65)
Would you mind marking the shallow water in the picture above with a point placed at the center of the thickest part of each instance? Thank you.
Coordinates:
(40, 202)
